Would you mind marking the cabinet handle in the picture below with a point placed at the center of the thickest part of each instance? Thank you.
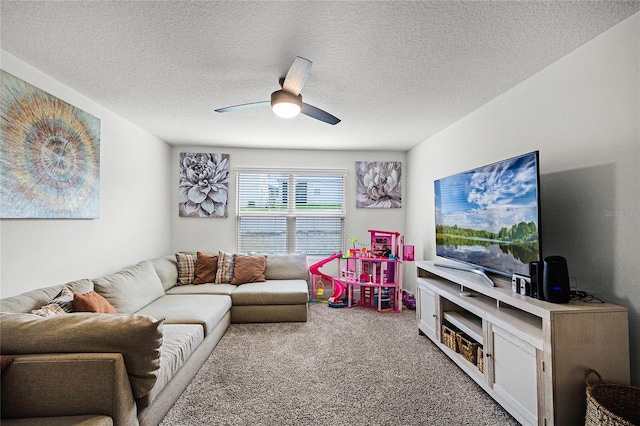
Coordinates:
(434, 315)
(488, 355)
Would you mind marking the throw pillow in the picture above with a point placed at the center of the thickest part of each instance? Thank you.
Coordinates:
(92, 302)
(5, 360)
(48, 310)
(61, 304)
(248, 269)
(206, 268)
(186, 268)
(224, 275)
(293, 266)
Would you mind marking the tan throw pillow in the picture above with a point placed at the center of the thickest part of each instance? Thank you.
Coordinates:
(92, 302)
(224, 275)
(206, 268)
(186, 268)
(248, 269)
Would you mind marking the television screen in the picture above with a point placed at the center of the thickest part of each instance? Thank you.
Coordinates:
(489, 217)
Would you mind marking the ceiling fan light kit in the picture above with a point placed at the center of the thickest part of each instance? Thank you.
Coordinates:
(285, 104)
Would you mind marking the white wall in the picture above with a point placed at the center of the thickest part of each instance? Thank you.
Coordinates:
(583, 115)
(134, 206)
(213, 234)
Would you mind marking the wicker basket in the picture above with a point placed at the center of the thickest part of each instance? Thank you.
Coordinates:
(480, 359)
(610, 404)
(449, 338)
(467, 348)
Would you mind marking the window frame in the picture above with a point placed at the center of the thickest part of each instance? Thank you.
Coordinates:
(291, 213)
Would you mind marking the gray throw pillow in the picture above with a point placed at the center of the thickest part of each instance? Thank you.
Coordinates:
(287, 267)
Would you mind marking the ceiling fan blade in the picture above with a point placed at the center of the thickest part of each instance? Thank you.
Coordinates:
(244, 106)
(297, 75)
(319, 114)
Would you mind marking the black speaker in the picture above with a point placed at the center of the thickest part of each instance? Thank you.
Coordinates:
(535, 272)
(556, 280)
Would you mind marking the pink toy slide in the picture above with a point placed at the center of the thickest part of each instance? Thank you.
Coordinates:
(338, 288)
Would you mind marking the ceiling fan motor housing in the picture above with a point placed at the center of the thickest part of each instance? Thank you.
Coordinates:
(286, 104)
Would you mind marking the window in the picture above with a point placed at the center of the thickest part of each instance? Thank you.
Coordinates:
(286, 212)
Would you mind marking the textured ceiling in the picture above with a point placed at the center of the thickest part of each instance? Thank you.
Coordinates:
(396, 73)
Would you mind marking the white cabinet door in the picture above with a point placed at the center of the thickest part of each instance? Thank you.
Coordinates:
(513, 373)
(427, 317)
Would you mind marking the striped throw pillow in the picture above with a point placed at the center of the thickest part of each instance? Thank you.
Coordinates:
(61, 304)
(186, 268)
(224, 275)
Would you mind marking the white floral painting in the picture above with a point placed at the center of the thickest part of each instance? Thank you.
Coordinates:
(378, 184)
(204, 185)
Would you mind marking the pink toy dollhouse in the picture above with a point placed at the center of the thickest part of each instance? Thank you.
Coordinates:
(369, 277)
(375, 275)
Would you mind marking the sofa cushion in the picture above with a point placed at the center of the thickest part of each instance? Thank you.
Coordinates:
(92, 302)
(224, 274)
(138, 338)
(179, 342)
(248, 269)
(132, 288)
(204, 309)
(167, 269)
(35, 299)
(209, 288)
(287, 267)
(272, 292)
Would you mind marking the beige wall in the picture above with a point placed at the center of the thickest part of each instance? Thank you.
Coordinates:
(212, 234)
(583, 114)
(134, 206)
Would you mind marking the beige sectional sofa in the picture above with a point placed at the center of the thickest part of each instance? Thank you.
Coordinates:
(129, 368)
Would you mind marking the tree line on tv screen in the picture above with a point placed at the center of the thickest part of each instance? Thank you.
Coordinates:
(523, 232)
(521, 240)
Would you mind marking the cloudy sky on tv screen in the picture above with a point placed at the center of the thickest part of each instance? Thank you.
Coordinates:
(501, 194)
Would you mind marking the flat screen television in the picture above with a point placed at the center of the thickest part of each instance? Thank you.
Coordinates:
(489, 217)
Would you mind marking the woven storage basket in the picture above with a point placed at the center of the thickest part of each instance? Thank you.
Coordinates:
(610, 404)
(467, 348)
(449, 338)
(480, 359)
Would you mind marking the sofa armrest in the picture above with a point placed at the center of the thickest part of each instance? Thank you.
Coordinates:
(51, 385)
(137, 337)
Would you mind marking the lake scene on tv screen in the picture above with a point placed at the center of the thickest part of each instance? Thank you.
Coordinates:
(489, 216)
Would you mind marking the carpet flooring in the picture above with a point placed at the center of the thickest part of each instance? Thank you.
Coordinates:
(343, 367)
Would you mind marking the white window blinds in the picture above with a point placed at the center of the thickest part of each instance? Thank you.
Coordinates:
(285, 212)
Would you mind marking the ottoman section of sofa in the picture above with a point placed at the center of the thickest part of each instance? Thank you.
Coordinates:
(270, 301)
(204, 309)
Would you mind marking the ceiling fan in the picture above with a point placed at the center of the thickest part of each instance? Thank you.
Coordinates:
(287, 102)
